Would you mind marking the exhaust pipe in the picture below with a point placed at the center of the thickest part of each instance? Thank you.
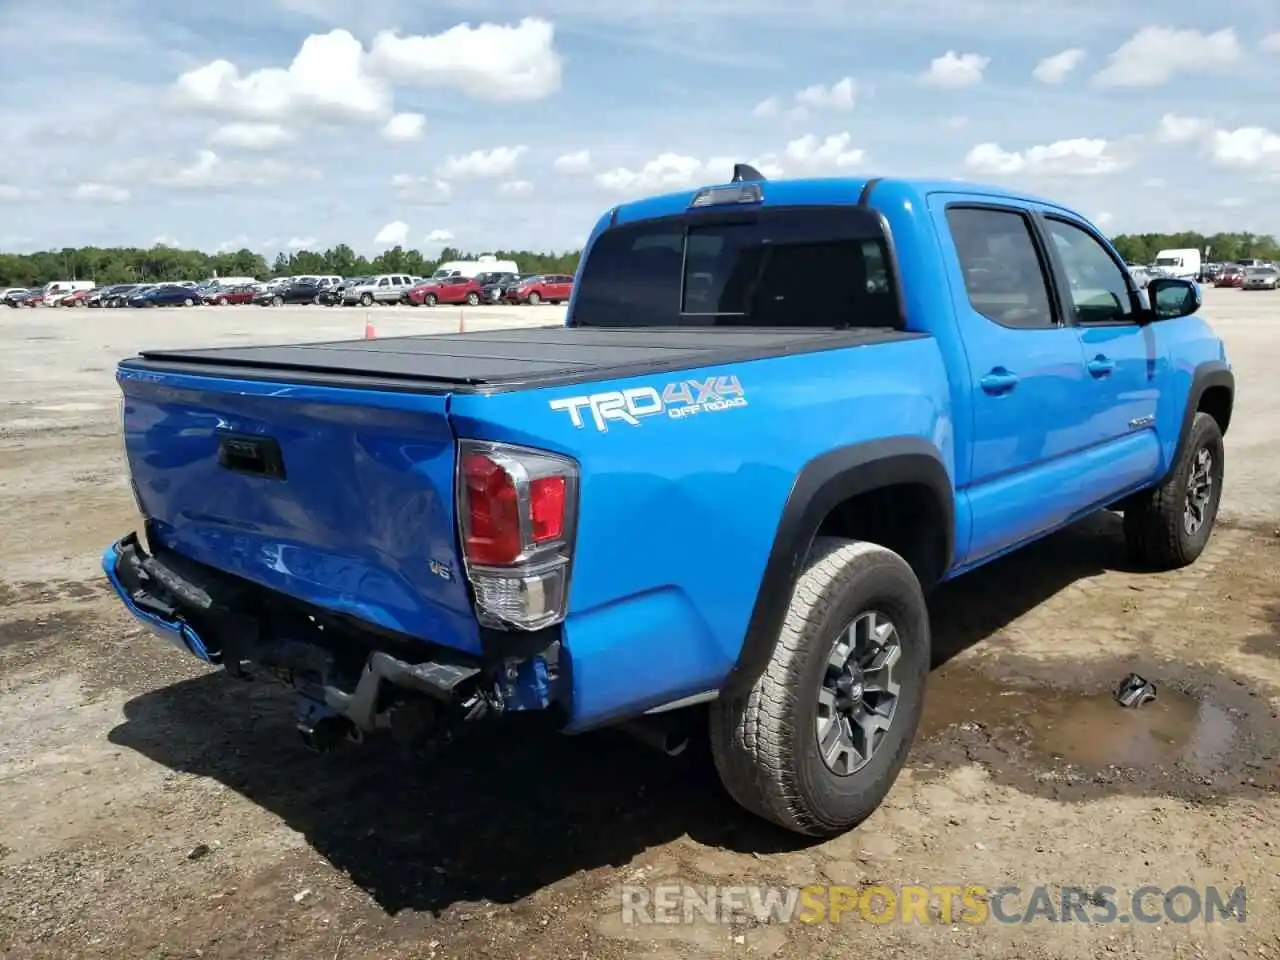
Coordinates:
(662, 735)
(325, 733)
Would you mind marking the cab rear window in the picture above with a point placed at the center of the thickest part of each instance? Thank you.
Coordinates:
(780, 267)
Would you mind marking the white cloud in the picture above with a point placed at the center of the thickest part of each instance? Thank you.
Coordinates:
(405, 128)
(12, 194)
(812, 155)
(515, 188)
(301, 243)
(1270, 43)
(208, 170)
(768, 108)
(578, 161)
(672, 171)
(421, 191)
(393, 234)
(164, 240)
(1253, 150)
(956, 123)
(1055, 69)
(327, 80)
(1073, 158)
(488, 62)
(840, 97)
(482, 164)
(1103, 219)
(1178, 129)
(1155, 55)
(251, 136)
(438, 237)
(955, 70)
(100, 193)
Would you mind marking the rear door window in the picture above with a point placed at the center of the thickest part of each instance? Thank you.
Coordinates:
(783, 267)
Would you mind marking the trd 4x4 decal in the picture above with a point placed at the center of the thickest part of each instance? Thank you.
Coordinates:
(679, 399)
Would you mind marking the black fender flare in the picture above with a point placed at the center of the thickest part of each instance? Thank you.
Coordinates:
(822, 484)
(1210, 373)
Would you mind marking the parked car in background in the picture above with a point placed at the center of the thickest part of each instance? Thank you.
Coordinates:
(446, 290)
(1232, 275)
(1144, 275)
(119, 295)
(32, 298)
(1261, 278)
(15, 296)
(306, 290)
(243, 293)
(549, 287)
(493, 285)
(76, 298)
(164, 295)
(332, 296)
(97, 298)
(384, 288)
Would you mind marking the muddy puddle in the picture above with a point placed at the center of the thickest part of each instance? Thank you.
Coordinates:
(1052, 728)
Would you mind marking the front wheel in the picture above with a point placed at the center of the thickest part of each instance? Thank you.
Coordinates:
(277, 301)
(222, 301)
(1168, 527)
(472, 300)
(817, 741)
(534, 299)
(366, 299)
(430, 300)
(188, 302)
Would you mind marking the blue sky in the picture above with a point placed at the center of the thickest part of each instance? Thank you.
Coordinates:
(488, 123)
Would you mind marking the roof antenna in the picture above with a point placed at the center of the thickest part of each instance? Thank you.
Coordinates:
(744, 171)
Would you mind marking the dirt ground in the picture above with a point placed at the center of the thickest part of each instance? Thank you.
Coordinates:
(151, 808)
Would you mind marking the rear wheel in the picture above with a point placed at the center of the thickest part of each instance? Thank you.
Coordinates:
(473, 299)
(222, 301)
(1169, 526)
(818, 740)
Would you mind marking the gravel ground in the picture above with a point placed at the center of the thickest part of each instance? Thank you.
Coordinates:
(150, 808)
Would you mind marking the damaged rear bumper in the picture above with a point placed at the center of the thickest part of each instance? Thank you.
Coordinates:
(337, 667)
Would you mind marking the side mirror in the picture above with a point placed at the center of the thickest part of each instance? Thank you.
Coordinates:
(1173, 297)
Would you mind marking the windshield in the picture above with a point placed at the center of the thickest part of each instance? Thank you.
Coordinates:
(783, 267)
(1261, 271)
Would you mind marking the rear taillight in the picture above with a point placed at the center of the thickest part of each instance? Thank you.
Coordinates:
(516, 513)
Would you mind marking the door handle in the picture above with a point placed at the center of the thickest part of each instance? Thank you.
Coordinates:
(999, 382)
(1101, 366)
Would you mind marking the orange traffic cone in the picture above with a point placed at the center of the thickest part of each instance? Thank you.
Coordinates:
(462, 320)
(369, 332)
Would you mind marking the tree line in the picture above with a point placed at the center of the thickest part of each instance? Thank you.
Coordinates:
(106, 265)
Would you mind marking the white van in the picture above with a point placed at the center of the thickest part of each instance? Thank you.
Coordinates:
(473, 268)
(228, 282)
(1179, 263)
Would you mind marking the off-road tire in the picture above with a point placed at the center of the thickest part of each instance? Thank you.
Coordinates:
(1153, 521)
(764, 741)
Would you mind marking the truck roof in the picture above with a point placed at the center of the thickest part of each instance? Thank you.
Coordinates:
(809, 190)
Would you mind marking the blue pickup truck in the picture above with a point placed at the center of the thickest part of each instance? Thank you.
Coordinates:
(778, 414)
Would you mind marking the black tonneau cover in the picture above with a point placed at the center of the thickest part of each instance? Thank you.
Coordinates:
(486, 361)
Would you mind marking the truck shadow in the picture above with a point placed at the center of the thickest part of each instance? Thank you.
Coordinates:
(514, 808)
